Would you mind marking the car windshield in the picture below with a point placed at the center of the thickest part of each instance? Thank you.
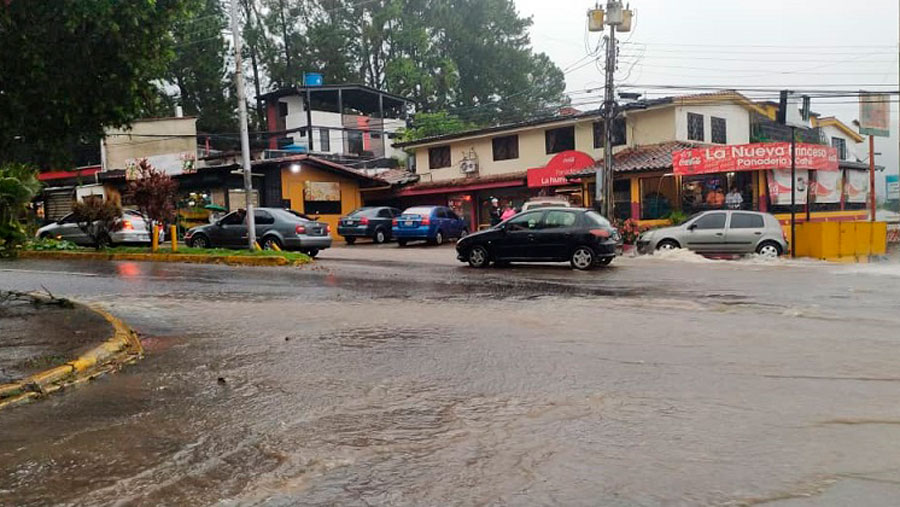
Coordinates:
(422, 211)
(363, 212)
(597, 219)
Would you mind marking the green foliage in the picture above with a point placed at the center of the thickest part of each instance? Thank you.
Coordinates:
(50, 245)
(18, 184)
(677, 217)
(98, 219)
(434, 124)
(72, 67)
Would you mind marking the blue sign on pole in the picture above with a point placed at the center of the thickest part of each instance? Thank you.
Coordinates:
(312, 79)
(893, 186)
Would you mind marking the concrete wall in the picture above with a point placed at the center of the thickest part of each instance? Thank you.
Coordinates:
(292, 185)
(652, 126)
(166, 142)
(737, 122)
(855, 151)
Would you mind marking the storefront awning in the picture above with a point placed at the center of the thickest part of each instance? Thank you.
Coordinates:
(558, 168)
(753, 157)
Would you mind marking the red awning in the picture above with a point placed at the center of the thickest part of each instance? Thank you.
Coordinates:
(556, 170)
(61, 175)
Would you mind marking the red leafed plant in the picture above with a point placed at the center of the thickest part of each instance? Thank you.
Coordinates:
(153, 192)
(629, 229)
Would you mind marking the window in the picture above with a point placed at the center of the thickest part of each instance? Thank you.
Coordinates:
(695, 127)
(439, 157)
(841, 146)
(719, 134)
(451, 214)
(618, 133)
(595, 218)
(234, 218)
(746, 221)
(506, 147)
(526, 221)
(385, 213)
(324, 140)
(561, 139)
(440, 213)
(710, 221)
(557, 219)
(282, 109)
(263, 217)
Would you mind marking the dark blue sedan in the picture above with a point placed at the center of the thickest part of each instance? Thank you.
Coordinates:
(433, 224)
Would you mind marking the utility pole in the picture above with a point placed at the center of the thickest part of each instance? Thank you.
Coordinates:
(242, 118)
(618, 19)
(794, 192)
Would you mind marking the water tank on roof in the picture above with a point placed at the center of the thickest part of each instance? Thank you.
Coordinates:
(312, 79)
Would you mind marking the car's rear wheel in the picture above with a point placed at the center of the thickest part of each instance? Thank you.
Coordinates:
(104, 241)
(199, 241)
(401, 242)
(270, 242)
(583, 258)
(769, 249)
(478, 257)
(380, 236)
(350, 241)
(438, 238)
(668, 244)
(313, 252)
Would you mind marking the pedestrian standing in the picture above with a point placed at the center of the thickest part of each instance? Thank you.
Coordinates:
(495, 212)
(734, 199)
(508, 213)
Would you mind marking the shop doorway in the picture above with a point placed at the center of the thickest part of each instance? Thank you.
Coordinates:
(463, 205)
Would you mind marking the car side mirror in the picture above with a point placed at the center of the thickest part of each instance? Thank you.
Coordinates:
(692, 227)
(218, 223)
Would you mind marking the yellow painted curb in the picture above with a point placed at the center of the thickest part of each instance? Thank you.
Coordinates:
(122, 347)
(235, 260)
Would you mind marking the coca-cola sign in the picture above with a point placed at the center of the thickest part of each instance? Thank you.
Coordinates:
(753, 157)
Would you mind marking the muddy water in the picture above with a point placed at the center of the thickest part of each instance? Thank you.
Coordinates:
(654, 383)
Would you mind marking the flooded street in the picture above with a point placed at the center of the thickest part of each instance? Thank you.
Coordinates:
(417, 381)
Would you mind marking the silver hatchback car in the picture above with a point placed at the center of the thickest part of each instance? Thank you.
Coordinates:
(720, 232)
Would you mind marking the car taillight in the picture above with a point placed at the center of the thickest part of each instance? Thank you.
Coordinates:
(327, 229)
(600, 233)
(300, 229)
(127, 225)
(425, 221)
(394, 222)
(364, 221)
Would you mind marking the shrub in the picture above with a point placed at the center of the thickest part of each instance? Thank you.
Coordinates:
(153, 192)
(49, 244)
(630, 230)
(98, 220)
(18, 184)
(677, 217)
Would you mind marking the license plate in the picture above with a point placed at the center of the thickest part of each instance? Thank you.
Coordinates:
(409, 223)
(350, 222)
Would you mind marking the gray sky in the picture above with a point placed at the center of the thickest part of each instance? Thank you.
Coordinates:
(792, 44)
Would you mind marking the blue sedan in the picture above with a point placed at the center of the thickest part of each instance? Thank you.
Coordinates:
(433, 224)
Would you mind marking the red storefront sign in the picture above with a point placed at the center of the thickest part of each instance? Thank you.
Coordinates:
(560, 166)
(753, 157)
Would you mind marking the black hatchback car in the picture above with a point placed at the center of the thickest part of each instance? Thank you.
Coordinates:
(368, 222)
(581, 236)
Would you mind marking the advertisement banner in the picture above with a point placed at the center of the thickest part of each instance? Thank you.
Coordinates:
(857, 186)
(893, 186)
(753, 157)
(556, 170)
(875, 114)
(779, 181)
(828, 186)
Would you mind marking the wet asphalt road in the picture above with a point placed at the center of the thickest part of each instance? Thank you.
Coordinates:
(383, 376)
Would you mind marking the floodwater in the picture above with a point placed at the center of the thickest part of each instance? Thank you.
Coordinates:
(659, 381)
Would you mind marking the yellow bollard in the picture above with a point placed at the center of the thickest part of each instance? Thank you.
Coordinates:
(154, 241)
(173, 233)
(256, 246)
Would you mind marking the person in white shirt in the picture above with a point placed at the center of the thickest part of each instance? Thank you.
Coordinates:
(734, 199)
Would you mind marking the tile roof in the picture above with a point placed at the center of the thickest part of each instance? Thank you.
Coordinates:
(398, 176)
(651, 157)
(468, 181)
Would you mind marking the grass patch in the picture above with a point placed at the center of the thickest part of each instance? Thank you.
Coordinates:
(44, 362)
(217, 252)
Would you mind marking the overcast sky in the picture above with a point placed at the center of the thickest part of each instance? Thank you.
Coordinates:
(791, 44)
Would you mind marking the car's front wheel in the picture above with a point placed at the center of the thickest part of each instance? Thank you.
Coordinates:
(668, 244)
(582, 258)
(199, 241)
(438, 238)
(313, 252)
(478, 257)
(350, 240)
(463, 233)
(769, 249)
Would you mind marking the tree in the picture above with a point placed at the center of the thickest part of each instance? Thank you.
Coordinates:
(434, 124)
(18, 184)
(98, 219)
(70, 68)
(153, 192)
(200, 68)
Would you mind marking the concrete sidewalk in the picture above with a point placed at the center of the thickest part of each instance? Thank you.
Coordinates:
(38, 336)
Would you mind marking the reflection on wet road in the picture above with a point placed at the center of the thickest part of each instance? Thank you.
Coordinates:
(653, 382)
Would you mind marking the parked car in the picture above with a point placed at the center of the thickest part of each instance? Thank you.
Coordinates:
(284, 228)
(428, 223)
(720, 232)
(368, 222)
(580, 236)
(545, 202)
(134, 230)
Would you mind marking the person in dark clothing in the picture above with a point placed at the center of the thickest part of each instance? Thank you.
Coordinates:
(495, 212)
